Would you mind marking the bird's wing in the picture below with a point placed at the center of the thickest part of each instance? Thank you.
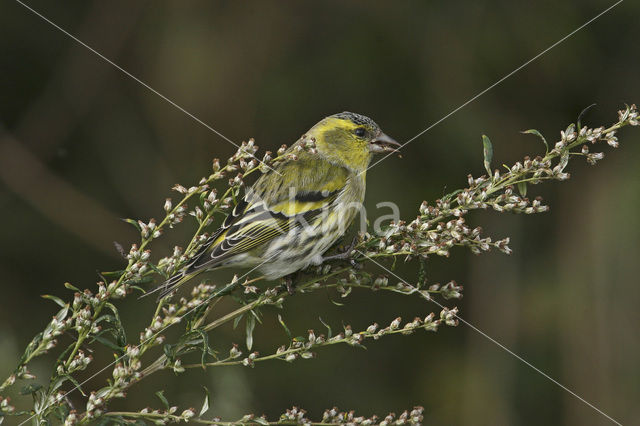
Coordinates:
(274, 205)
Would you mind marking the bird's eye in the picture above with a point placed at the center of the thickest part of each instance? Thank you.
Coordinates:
(360, 132)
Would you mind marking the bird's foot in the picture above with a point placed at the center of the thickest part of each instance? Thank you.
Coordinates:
(289, 282)
(345, 255)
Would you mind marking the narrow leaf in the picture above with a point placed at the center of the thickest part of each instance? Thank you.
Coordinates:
(538, 134)
(55, 299)
(162, 398)
(329, 334)
(31, 347)
(236, 321)
(30, 389)
(75, 383)
(286, 329)
(564, 160)
(250, 325)
(205, 404)
(487, 150)
(62, 313)
(71, 287)
(133, 222)
(583, 112)
(108, 343)
(522, 188)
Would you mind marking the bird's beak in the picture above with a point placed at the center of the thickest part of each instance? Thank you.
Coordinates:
(383, 143)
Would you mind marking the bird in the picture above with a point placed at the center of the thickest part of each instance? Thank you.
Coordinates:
(299, 208)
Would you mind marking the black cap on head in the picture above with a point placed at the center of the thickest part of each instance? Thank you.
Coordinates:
(357, 119)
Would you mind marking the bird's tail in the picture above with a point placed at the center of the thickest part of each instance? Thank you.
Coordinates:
(172, 283)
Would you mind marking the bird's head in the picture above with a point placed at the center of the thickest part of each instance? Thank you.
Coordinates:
(350, 140)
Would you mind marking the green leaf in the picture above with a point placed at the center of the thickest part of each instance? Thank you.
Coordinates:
(157, 270)
(522, 188)
(55, 299)
(538, 134)
(334, 302)
(71, 287)
(133, 222)
(564, 160)
(121, 335)
(169, 352)
(61, 412)
(30, 389)
(250, 325)
(487, 150)
(346, 293)
(64, 353)
(163, 399)
(76, 384)
(111, 275)
(62, 313)
(583, 112)
(205, 404)
(236, 321)
(31, 347)
(108, 343)
(138, 288)
(286, 329)
(206, 350)
(256, 314)
(329, 333)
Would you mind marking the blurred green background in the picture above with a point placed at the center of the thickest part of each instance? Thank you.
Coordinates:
(82, 145)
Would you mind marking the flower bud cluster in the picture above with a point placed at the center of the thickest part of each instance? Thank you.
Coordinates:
(234, 352)
(629, 115)
(246, 152)
(422, 237)
(58, 325)
(333, 415)
(171, 264)
(174, 216)
(149, 231)
(295, 414)
(5, 406)
(71, 419)
(249, 361)
(302, 348)
(94, 406)
(173, 313)
(84, 320)
(451, 290)
(429, 234)
(9, 381)
(449, 316)
(123, 372)
(307, 143)
(163, 417)
(78, 363)
(209, 203)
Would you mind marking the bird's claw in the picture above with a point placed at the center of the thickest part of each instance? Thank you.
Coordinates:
(290, 284)
(345, 255)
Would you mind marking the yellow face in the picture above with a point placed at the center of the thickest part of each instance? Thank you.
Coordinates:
(350, 140)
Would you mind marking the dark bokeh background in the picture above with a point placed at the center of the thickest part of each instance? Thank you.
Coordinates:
(83, 145)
